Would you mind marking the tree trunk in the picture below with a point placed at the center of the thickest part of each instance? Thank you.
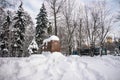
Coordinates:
(69, 50)
(55, 22)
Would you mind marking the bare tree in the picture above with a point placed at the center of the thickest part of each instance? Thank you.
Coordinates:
(92, 21)
(80, 30)
(98, 22)
(55, 5)
(105, 21)
(70, 22)
(118, 16)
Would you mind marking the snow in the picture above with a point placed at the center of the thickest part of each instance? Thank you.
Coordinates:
(33, 45)
(15, 45)
(53, 37)
(56, 66)
(5, 49)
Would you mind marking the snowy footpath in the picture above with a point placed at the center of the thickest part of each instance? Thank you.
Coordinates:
(59, 67)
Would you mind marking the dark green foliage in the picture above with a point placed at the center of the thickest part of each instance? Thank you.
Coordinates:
(18, 33)
(41, 27)
(6, 3)
(49, 30)
(2, 18)
(15, 35)
(4, 38)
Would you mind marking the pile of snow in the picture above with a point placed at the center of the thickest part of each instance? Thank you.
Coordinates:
(53, 37)
(56, 66)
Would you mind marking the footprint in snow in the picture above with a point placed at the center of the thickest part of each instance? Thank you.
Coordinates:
(89, 74)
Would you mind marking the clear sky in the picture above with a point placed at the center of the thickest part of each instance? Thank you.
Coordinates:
(33, 7)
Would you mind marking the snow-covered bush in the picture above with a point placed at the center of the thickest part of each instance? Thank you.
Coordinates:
(33, 47)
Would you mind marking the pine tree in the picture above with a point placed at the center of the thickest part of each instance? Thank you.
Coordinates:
(49, 30)
(18, 33)
(33, 47)
(29, 33)
(2, 18)
(41, 28)
(5, 37)
(7, 3)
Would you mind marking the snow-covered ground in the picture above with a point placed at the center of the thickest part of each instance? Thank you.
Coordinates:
(59, 67)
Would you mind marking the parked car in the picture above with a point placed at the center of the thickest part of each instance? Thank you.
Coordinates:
(116, 52)
(100, 51)
(85, 51)
(97, 51)
(75, 52)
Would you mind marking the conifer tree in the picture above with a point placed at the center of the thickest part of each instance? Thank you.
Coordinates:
(5, 37)
(2, 18)
(41, 27)
(18, 33)
(7, 3)
(49, 30)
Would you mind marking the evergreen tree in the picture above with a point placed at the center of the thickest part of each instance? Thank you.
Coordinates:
(7, 3)
(119, 44)
(29, 33)
(18, 33)
(2, 18)
(33, 47)
(41, 28)
(5, 37)
(49, 30)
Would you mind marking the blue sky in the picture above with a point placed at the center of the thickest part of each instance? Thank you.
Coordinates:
(33, 7)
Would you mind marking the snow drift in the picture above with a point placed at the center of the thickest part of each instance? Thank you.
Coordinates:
(59, 67)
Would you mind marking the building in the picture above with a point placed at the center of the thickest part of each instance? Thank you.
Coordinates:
(109, 39)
